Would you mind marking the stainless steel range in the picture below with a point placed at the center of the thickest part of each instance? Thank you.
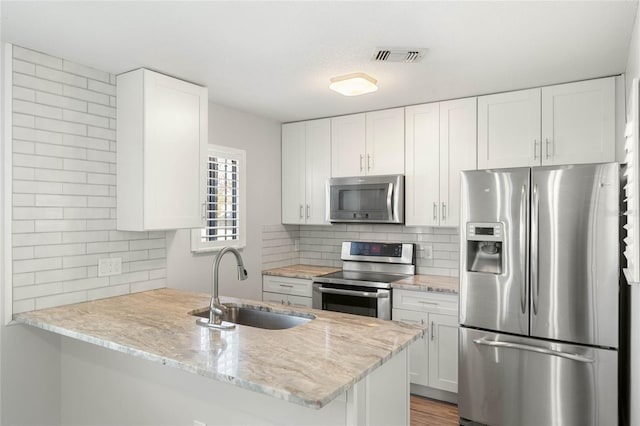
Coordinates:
(363, 287)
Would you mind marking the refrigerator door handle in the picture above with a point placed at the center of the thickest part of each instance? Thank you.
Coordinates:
(509, 345)
(535, 289)
(524, 247)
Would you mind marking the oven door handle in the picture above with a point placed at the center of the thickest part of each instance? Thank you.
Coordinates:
(370, 295)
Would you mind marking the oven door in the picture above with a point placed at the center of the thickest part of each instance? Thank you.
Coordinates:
(353, 299)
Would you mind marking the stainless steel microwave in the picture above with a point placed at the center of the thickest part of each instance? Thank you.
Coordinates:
(375, 199)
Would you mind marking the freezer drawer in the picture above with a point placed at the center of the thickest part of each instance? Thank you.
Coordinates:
(508, 380)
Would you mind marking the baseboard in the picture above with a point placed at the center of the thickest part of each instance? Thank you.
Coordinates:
(432, 393)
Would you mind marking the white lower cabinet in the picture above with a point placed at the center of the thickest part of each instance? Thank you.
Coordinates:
(433, 360)
(286, 291)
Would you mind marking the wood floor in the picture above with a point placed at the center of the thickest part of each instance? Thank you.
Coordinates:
(428, 412)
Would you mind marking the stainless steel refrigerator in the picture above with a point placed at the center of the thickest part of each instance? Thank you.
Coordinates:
(539, 296)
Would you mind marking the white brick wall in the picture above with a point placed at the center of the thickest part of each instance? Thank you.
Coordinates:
(64, 153)
(278, 246)
(320, 245)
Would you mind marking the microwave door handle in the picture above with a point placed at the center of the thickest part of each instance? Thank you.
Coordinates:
(390, 201)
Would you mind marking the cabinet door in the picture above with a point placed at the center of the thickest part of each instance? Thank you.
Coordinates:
(318, 170)
(274, 297)
(299, 301)
(175, 144)
(578, 122)
(443, 352)
(457, 153)
(348, 145)
(422, 160)
(385, 142)
(419, 350)
(293, 173)
(509, 129)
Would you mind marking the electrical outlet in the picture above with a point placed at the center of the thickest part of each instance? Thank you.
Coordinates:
(296, 245)
(109, 266)
(428, 251)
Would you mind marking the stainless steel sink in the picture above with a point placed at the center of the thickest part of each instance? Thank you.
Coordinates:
(256, 316)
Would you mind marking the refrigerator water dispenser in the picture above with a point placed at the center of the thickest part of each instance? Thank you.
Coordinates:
(485, 247)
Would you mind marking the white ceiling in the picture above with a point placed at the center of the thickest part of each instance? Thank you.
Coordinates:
(275, 58)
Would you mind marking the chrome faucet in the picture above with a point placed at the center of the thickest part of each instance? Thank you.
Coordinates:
(217, 309)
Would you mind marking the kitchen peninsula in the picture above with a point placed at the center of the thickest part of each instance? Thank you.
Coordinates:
(335, 369)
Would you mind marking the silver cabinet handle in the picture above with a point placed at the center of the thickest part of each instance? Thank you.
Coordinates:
(535, 290)
(286, 285)
(370, 295)
(301, 216)
(361, 160)
(510, 345)
(524, 246)
(547, 144)
(535, 149)
(308, 211)
(368, 162)
(444, 211)
(427, 303)
(433, 330)
(435, 211)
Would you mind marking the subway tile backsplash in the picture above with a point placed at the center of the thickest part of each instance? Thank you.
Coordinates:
(320, 245)
(64, 193)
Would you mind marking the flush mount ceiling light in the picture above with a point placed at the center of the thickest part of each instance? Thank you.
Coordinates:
(353, 84)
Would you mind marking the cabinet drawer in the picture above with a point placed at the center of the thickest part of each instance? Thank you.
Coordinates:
(425, 301)
(285, 285)
(286, 299)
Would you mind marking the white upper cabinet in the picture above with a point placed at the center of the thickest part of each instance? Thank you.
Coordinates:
(564, 124)
(385, 142)
(348, 145)
(368, 144)
(422, 160)
(457, 153)
(161, 156)
(293, 172)
(509, 129)
(578, 122)
(440, 143)
(306, 165)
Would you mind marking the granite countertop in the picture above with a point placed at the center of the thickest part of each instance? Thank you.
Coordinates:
(434, 283)
(301, 271)
(309, 365)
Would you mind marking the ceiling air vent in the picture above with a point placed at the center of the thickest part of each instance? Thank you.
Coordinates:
(396, 54)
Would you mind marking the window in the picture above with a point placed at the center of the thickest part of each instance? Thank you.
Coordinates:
(225, 207)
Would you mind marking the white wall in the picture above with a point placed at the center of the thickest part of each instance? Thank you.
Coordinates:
(29, 358)
(633, 71)
(260, 137)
